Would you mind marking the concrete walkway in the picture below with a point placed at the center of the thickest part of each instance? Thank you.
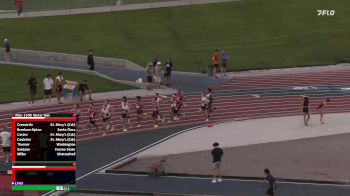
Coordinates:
(292, 151)
(125, 7)
(244, 133)
(188, 82)
(95, 96)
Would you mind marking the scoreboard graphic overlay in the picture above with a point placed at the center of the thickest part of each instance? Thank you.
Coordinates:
(43, 152)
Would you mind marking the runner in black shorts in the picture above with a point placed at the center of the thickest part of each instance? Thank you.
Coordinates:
(106, 116)
(139, 110)
(210, 100)
(92, 117)
(156, 114)
(76, 111)
(306, 110)
(204, 106)
(125, 113)
(173, 108)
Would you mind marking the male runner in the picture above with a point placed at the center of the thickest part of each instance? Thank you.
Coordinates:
(106, 116)
(76, 111)
(156, 108)
(139, 110)
(204, 106)
(125, 113)
(92, 117)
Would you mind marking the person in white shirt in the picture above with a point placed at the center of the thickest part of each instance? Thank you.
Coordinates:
(125, 113)
(204, 106)
(48, 84)
(5, 136)
(106, 113)
(158, 74)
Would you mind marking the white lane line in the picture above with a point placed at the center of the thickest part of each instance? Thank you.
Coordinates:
(131, 154)
(225, 179)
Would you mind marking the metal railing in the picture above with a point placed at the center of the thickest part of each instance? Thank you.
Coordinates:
(45, 5)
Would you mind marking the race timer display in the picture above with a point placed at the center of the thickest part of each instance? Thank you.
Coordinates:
(43, 152)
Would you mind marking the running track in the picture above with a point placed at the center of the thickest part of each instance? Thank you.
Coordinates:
(230, 106)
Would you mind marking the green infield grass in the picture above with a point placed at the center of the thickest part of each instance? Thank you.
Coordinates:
(257, 34)
(14, 78)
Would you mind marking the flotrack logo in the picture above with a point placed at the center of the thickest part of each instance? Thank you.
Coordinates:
(326, 12)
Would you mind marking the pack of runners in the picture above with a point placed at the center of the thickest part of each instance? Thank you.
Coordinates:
(176, 103)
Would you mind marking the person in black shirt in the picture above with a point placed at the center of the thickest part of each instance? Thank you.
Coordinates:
(306, 110)
(216, 154)
(168, 69)
(272, 182)
(32, 88)
(90, 60)
(83, 90)
(7, 50)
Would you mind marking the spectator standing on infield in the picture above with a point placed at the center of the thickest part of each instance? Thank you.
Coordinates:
(59, 86)
(217, 154)
(306, 110)
(48, 84)
(158, 74)
(7, 50)
(224, 59)
(155, 61)
(83, 90)
(19, 5)
(168, 69)
(90, 60)
(215, 59)
(5, 136)
(321, 107)
(149, 74)
(272, 182)
(32, 88)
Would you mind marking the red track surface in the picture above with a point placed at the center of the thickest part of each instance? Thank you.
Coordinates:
(228, 107)
(328, 78)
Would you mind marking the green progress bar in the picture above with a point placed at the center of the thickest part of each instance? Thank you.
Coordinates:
(44, 188)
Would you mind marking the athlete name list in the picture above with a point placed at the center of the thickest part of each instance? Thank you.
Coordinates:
(57, 139)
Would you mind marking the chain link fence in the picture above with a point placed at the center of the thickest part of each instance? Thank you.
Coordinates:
(45, 5)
